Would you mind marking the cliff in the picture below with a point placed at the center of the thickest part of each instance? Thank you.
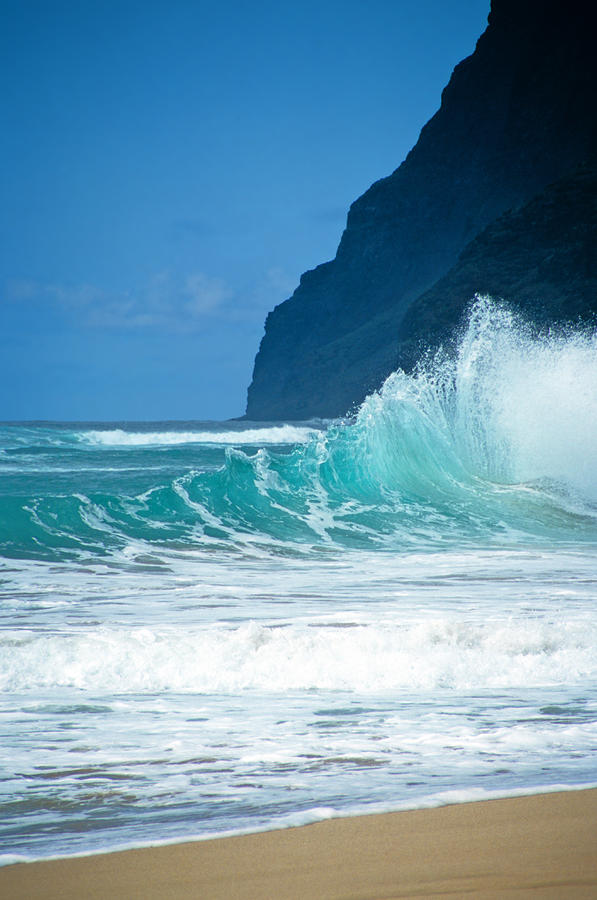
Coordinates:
(515, 117)
(541, 257)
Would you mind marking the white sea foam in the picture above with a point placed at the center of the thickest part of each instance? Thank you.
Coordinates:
(276, 434)
(433, 654)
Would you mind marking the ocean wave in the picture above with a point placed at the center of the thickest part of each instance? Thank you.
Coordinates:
(275, 434)
(494, 442)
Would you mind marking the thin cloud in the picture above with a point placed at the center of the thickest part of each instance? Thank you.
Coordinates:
(164, 302)
(205, 294)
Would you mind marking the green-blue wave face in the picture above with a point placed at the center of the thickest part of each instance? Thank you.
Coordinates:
(492, 444)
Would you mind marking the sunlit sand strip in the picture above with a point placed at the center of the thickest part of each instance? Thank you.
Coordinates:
(542, 846)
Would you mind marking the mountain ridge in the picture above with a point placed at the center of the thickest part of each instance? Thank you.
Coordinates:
(515, 116)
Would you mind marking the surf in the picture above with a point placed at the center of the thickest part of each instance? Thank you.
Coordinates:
(394, 607)
(496, 439)
(492, 441)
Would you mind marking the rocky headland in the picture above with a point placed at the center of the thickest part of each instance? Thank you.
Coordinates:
(498, 196)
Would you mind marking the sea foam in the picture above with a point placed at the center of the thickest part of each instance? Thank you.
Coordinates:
(275, 434)
(437, 653)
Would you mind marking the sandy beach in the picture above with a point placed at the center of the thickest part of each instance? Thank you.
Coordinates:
(541, 846)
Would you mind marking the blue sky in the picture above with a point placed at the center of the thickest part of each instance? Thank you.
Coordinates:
(170, 168)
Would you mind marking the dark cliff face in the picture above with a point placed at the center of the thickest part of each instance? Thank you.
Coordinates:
(516, 115)
(541, 258)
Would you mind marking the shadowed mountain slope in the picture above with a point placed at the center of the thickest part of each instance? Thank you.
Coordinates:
(541, 258)
(516, 116)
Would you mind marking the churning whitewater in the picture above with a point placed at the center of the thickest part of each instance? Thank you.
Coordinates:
(216, 627)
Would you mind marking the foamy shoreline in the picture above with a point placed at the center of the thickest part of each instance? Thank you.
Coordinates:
(544, 844)
(305, 818)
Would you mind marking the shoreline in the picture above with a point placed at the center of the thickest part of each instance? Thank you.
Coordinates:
(544, 845)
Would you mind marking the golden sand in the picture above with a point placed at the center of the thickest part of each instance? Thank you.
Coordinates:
(542, 846)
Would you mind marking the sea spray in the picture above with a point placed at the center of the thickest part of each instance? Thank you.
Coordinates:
(510, 405)
(527, 402)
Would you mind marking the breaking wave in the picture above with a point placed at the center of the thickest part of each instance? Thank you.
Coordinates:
(494, 441)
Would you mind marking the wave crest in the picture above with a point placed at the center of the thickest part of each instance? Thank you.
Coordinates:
(493, 442)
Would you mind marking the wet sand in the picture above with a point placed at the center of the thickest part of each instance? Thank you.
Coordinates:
(542, 846)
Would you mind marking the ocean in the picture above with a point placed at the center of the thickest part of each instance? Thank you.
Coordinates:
(216, 627)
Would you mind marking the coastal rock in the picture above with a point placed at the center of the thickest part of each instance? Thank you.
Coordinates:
(515, 117)
(541, 258)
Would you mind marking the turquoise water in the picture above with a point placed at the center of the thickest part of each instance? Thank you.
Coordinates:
(209, 627)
